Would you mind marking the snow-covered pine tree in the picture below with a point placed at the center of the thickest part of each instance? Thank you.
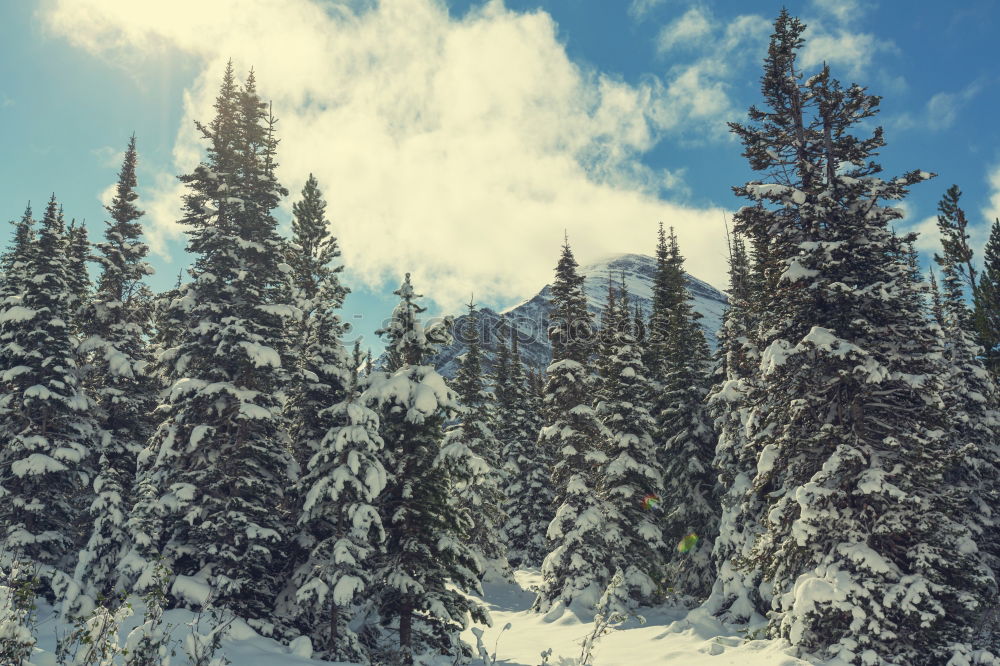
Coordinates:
(426, 569)
(321, 375)
(46, 421)
(863, 543)
(737, 592)
(663, 301)
(987, 304)
(220, 457)
(169, 310)
(576, 570)
(690, 498)
(18, 619)
(526, 465)
(970, 393)
(14, 261)
(630, 484)
(341, 527)
(78, 253)
(937, 304)
(953, 226)
(115, 322)
(14, 264)
(471, 453)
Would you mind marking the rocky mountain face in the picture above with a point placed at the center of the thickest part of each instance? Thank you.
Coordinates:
(530, 318)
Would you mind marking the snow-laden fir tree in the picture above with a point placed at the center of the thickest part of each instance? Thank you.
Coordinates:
(78, 253)
(427, 568)
(14, 263)
(953, 227)
(737, 592)
(525, 464)
(937, 304)
(341, 527)
(169, 319)
(219, 460)
(576, 570)
(472, 454)
(970, 391)
(630, 484)
(690, 501)
(115, 322)
(664, 299)
(987, 304)
(321, 375)
(46, 419)
(18, 619)
(862, 539)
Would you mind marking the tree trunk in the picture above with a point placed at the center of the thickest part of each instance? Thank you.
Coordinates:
(406, 633)
(334, 616)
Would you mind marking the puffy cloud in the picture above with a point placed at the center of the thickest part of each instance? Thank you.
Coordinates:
(457, 149)
(992, 210)
(698, 94)
(686, 30)
(854, 50)
(843, 11)
(639, 9)
(941, 110)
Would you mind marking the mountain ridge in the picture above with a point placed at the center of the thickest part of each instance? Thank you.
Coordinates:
(530, 316)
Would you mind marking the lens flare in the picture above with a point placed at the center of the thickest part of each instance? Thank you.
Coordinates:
(650, 502)
(688, 543)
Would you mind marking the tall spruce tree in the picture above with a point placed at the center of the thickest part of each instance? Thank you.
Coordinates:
(953, 226)
(526, 465)
(78, 254)
(220, 456)
(737, 593)
(427, 568)
(321, 375)
(987, 304)
(472, 454)
(859, 532)
(576, 570)
(342, 528)
(690, 499)
(14, 263)
(46, 425)
(115, 323)
(970, 398)
(630, 483)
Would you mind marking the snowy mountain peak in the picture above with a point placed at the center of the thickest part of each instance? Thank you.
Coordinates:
(530, 317)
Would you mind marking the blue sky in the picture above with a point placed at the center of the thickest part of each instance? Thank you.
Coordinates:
(459, 140)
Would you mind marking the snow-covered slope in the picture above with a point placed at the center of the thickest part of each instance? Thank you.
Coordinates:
(531, 316)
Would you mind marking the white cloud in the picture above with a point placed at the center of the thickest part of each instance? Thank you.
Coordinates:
(992, 210)
(929, 240)
(108, 156)
(107, 195)
(697, 94)
(941, 110)
(854, 50)
(684, 31)
(843, 11)
(458, 149)
(639, 9)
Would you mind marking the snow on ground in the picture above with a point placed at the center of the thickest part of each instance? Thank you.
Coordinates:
(669, 636)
